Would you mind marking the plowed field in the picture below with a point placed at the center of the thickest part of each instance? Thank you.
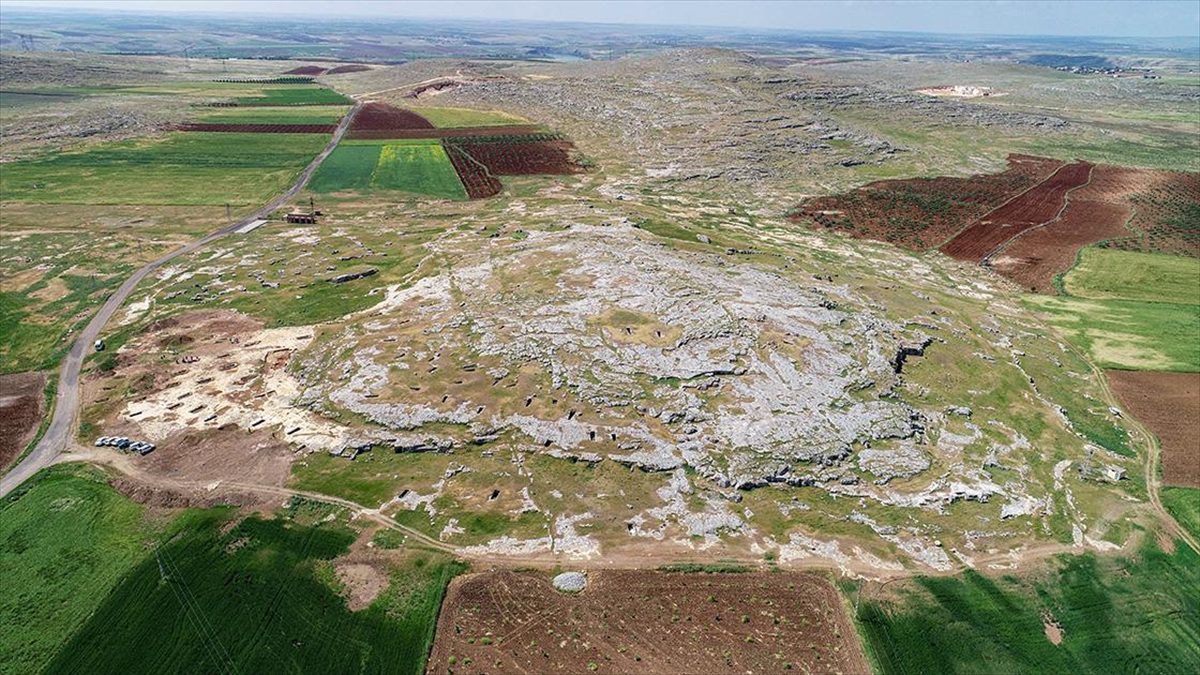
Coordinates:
(376, 117)
(352, 68)
(306, 70)
(1035, 257)
(645, 622)
(260, 128)
(523, 159)
(920, 213)
(1168, 403)
(21, 404)
(474, 176)
(1035, 206)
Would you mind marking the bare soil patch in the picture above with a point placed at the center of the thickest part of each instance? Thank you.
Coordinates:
(352, 68)
(21, 409)
(172, 498)
(363, 583)
(479, 183)
(381, 117)
(1033, 207)
(1033, 259)
(1169, 404)
(306, 70)
(645, 622)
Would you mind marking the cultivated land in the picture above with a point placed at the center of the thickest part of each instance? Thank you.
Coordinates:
(666, 353)
(646, 622)
(1169, 403)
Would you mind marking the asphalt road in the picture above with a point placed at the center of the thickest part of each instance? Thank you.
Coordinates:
(66, 406)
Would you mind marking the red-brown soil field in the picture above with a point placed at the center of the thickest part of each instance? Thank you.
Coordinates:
(1169, 404)
(645, 622)
(261, 128)
(352, 68)
(21, 404)
(474, 176)
(376, 117)
(921, 213)
(1033, 207)
(1166, 215)
(306, 70)
(523, 158)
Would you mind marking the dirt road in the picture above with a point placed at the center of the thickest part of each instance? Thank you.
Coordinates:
(66, 408)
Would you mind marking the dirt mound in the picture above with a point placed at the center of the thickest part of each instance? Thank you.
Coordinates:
(170, 498)
(261, 128)
(381, 117)
(21, 405)
(306, 70)
(646, 622)
(352, 68)
(1168, 403)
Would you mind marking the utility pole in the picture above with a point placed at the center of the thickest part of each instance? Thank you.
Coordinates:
(228, 212)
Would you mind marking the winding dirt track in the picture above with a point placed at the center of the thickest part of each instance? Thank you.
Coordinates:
(66, 405)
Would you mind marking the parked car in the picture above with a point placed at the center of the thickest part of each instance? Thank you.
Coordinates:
(102, 441)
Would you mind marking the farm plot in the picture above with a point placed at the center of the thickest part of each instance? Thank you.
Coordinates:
(259, 128)
(520, 155)
(645, 622)
(1083, 614)
(1166, 216)
(376, 118)
(419, 167)
(1168, 403)
(1128, 335)
(325, 114)
(476, 179)
(293, 95)
(920, 213)
(1033, 207)
(1105, 274)
(446, 118)
(21, 404)
(68, 539)
(257, 595)
(177, 169)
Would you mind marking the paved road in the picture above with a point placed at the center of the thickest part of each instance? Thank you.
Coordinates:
(66, 406)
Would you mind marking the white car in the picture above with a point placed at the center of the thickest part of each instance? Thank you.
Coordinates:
(102, 441)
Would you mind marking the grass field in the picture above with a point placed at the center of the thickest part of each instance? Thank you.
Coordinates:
(323, 114)
(178, 168)
(294, 95)
(1184, 505)
(418, 167)
(257, 598)
(1115, 615)
(66, 539)
(1126, 334)
(444, 118)
(1105, 274)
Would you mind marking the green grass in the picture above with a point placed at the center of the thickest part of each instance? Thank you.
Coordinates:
(1128, 335)
(467, 117)
(1117, 616)
(326, 114)
(1105, 274)
(256, 599)
(294, 95)
(1184, 505)
(66, 539)
(417, 167)
(179, 168)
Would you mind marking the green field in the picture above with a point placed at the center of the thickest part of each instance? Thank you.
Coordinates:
(1106, 274)
(1126, 334)
(1116, 616)
(420, 167)
(258, 598)
(445, 118)
(316, 114)
(66, 539)
(1184, 505)
(178, 168)
(294, 95)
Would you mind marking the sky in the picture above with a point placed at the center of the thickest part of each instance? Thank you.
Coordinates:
(1119, 18)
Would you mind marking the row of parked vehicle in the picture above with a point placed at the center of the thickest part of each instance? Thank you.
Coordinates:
(124, 443)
